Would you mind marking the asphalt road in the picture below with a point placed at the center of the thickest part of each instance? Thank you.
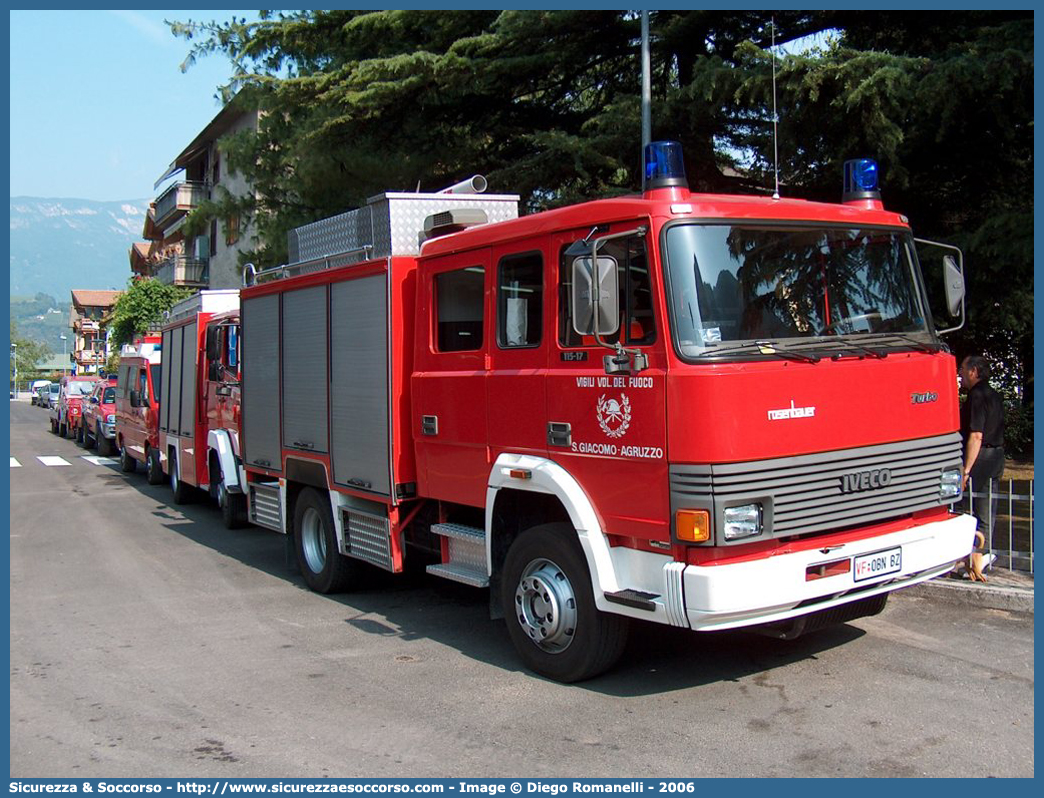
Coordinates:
(149, 641)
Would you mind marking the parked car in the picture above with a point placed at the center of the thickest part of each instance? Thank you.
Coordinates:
(52, 395)
(98, 428)
(65, 415)
(41, 396)
(34, 390)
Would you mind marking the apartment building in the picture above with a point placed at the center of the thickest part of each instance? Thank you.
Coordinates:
(89, 344)
(170, 252)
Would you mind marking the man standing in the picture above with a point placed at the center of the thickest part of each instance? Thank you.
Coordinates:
(982, 429)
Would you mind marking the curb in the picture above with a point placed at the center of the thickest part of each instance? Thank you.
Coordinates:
(986, 596)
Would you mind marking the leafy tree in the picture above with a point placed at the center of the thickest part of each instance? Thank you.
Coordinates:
(140, 307)
(546, 104)
(27, 353)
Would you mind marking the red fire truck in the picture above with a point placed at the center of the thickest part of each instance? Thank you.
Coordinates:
(199, 408)
(703, 411)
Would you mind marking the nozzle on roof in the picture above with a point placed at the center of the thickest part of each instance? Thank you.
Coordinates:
(473, 185)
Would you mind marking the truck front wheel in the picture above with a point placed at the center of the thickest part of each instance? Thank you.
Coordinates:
(550, 611)
(182, 490)
(324, 569)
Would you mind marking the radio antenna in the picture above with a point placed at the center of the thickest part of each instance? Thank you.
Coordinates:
(775, 116)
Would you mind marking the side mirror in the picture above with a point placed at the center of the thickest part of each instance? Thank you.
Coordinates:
(954, 278)
(224, 390)
(953, 281)
(213, 343)
(135, 399)
(595, 296)
(214, 371)
(94, 400)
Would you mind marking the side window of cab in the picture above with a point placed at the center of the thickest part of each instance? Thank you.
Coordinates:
(637, 317)
(459, 309)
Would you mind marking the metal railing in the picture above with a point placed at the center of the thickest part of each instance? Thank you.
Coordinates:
(1010, 536)
(182, 270)
(184, 196)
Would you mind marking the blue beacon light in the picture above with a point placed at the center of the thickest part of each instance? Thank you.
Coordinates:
(664, 166)
(861, 180)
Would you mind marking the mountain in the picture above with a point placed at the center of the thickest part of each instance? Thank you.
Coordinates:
(61, 244)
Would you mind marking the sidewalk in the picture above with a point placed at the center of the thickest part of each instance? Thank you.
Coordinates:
(1005, 590)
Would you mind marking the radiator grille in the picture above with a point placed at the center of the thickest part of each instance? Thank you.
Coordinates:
(804, 495)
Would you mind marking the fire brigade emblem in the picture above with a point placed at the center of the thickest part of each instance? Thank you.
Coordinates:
(614, 417)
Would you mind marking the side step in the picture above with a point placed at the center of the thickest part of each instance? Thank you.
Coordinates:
(465, 558)
(633, 598)
(266, 507)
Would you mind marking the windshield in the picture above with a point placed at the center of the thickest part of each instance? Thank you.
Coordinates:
(740, 284)
(79, 388)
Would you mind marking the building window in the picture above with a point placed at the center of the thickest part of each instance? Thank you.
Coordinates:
(459, 306)
(217, 168)
(232, 230)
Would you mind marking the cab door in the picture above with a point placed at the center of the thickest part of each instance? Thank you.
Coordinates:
(449, 380)
(516, 384)
(612, 430)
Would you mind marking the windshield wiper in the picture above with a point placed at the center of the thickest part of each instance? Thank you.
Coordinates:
(920, 346)
(857, 350)
(764, 348)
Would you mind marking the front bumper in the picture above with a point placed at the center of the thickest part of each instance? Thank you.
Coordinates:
(775, 588)
(108, 431)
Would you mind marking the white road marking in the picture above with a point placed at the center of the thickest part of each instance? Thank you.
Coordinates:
(15, 463)
(95, 460)
(54, 461)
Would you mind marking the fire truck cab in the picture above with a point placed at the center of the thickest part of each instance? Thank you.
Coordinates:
(703, 411)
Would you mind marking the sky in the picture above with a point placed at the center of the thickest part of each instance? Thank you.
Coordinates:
(99, 104)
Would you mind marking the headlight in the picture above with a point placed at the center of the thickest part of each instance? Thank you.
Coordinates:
(110, 419)
(950, 483)
(742, 522)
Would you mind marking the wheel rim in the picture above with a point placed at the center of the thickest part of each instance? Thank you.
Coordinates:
(545, 606)
(313, 541)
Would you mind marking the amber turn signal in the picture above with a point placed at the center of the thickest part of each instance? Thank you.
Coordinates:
(692, 526)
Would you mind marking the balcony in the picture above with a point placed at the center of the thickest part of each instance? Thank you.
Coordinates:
(182, 270)
(86, 325)
(88, 357)
(178, 200)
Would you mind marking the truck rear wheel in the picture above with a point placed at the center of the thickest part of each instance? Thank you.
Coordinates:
(324, 569)
(81, 436)
(63, 429)
(153, 468)
(550, 610)
(127, 463)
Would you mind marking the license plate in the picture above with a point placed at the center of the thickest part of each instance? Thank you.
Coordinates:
(880, 563)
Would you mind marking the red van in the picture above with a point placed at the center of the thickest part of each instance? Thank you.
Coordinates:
(137, 408)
